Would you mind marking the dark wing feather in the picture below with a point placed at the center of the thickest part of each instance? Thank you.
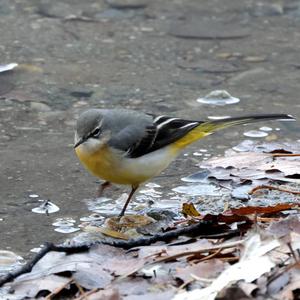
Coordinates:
(164, 131)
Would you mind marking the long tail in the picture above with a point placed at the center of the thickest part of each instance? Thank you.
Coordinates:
(209, 127)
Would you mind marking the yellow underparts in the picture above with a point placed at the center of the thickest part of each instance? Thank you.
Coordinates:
(111, 166)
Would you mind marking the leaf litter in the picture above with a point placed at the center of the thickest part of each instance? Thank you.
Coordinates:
(248, 250)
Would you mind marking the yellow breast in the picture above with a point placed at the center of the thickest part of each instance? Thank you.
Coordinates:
(112, 166)
(100, 163)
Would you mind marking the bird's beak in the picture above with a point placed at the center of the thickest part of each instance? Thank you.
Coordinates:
(79, 142)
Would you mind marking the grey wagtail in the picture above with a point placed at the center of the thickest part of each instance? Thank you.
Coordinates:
(129, 147)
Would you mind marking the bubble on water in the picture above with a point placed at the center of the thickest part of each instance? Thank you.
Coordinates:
(277, 129)
(9, 261)
(33, 196)
(92, 217)
(265, 128)
(66, 229)
(46, 207)
(198, 190)
(203, 150)
(255, 133)
(64, 222)
(218, 97)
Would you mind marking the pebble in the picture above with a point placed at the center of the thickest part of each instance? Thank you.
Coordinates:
(39, 106)
(207, 29)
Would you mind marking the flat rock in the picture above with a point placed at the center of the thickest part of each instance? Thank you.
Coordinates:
(208, 30)
(39, 106)
(127, 4)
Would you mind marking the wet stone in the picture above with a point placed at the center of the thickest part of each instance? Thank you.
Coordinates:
(127, 4)
(113, 13)
(6, 85)
(209, 66)
(81, 93)
(39, 106)
(208, 29)
(56, 9)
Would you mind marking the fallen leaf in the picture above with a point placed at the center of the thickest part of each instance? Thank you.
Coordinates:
(188, 209)
(109, 294)
(253, 263)
(206, 269)
(249, 210)
(109, 232)
(127, 222)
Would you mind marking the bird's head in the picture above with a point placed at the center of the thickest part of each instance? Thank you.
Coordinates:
(89, 130)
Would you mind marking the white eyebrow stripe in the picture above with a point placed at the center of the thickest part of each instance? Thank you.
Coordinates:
(158, 118)
(187, 125)
(166, 122)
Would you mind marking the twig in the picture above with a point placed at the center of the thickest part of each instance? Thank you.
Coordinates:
(211, 255)
(207, 229)
(203, 250)
(80, 289)
(59, 289)
(86, 294)
(285, 154)
(270, 187)
(186, 283)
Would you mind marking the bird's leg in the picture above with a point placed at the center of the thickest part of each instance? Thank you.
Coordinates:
(133, 189)
(102, 187)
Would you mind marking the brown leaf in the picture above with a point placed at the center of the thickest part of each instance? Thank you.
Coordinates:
(128, 222)
(249, 210)
(207, 269)
(226, 218)
(109, 232)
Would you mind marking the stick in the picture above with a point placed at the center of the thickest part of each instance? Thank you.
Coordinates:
(270, 187)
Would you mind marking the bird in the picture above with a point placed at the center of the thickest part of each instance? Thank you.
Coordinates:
(129, 147)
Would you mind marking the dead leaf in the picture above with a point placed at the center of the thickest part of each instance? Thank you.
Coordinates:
(285, 226)
(207, 269)
(249, 210)
(107, 231)
(109, 294)
(128, 222)
(253, 263)
(188, 209)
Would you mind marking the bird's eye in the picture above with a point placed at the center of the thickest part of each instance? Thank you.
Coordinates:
(96, 132)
